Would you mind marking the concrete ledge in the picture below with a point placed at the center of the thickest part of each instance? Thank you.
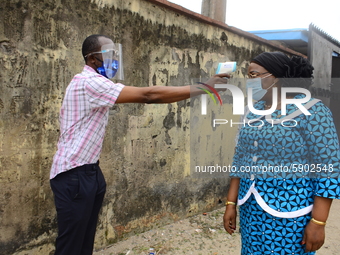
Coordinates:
(179, 9)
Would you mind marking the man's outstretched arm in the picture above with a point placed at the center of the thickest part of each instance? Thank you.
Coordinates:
(164, 94)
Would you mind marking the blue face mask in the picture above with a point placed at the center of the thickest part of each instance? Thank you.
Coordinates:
(109, 68)
(256, 85)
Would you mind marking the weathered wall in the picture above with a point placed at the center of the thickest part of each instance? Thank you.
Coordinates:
(326, 70)
(335, 90)
(320, 55)
(145, 156)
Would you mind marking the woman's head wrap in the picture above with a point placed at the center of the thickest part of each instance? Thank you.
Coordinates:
(281, 66)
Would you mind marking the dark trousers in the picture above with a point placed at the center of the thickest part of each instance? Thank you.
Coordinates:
(78, 197)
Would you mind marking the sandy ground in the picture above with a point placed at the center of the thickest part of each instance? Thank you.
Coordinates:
(205, 235)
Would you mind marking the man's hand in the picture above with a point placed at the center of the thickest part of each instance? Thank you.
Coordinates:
(229, 218)
(218, 79)
(314, 237)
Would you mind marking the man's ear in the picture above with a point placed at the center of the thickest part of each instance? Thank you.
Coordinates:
(90, 59)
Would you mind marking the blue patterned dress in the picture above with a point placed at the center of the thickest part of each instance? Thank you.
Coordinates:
(292, 158)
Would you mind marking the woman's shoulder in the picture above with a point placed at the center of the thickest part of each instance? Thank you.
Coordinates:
(312, 105)
(316, 106)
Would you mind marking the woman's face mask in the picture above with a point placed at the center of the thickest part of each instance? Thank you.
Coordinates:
(256, 85)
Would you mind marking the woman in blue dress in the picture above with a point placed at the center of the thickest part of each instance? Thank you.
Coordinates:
(286, 164)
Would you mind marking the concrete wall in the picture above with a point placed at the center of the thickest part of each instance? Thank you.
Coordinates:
(145, 154)
(326, 70)
(320, 55)
(335, 89)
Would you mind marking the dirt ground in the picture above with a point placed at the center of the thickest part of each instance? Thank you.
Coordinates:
(205, 235)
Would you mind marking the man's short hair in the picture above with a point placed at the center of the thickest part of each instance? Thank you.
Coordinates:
(91, 44)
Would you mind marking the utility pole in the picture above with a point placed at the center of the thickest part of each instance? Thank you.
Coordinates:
(215, 9)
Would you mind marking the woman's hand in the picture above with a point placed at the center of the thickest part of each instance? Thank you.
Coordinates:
(229, 218)
(314, 237)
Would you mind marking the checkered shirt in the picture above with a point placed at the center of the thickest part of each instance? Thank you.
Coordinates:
(83, 119)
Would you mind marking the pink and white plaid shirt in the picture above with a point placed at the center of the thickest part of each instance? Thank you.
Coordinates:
(83, 119)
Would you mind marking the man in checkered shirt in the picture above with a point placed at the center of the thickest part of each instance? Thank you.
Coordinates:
(76, 179)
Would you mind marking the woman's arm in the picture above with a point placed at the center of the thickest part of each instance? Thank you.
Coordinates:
(314, 236)
(229, 218)
(326, 154)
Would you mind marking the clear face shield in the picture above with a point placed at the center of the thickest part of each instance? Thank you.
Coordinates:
(112, 55)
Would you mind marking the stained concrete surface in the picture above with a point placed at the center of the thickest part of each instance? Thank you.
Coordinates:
(204, 234)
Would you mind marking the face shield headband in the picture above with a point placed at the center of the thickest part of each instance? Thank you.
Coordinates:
(112, 61)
